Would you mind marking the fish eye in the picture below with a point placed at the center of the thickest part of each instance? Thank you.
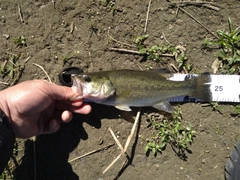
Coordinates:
(87, 78)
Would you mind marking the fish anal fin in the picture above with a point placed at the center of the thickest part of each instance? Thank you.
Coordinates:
(123, 107)
(164, 106)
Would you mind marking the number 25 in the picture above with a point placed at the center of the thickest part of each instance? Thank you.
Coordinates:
(218, 88)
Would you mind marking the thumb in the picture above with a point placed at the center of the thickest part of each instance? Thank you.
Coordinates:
(58, 92)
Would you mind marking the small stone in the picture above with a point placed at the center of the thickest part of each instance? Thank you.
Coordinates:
(7, 36)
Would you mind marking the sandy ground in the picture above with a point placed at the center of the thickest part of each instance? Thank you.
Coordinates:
(77, 33)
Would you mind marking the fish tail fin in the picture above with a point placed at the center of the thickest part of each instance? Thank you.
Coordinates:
(202, 85)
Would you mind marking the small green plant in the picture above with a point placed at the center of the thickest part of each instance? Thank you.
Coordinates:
(169, 131)
(10, 68)
(7, 173)
(66, 57)
(236, 110)
(110, 5)
(139, 41)
(228, 44)
(216, 107)
(20, 41)
(158, 52)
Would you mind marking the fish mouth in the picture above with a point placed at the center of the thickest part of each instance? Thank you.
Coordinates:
(76, 87)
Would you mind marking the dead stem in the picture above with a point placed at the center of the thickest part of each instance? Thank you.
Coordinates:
(146, 22)
(164, 37)
(136, 52)
(115, 139)
(210, 5)
(126, 51)
(72, 26)
(20, 13)
(122, 43)
(5, 83)
(49, 79)
(54, 3)
(20, 71)
(127, 142)
(198, 22)
(89, 153)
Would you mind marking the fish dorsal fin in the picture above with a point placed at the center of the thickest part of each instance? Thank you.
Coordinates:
(123, 107)
(164, 106)
(163, 72)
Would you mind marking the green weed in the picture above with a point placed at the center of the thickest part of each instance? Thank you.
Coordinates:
(110, 5)
(216, 107)
(10, 67)
(236, 110)
(169, 131)
(11, 70)
(158, 52)
(20, 41)
(228, 44)
(7, 173)
(66, 57)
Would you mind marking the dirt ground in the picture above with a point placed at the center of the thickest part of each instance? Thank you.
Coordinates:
(77, 33)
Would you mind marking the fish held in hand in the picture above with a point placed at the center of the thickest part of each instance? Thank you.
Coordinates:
(130, 88)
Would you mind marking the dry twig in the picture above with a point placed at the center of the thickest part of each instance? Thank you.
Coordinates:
(54, 3)
(72, 25)
(136, 52)
(126, 51)
(210, 5)
(122, 43)
(20, 13)
(198, 22)
(92, 152)
(127, 142)
(115, 139)
(49, 79)
(5, 83)
(21, 69)
(164, 37)
(146, 22)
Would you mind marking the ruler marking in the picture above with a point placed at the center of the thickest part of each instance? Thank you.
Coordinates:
(224, 88)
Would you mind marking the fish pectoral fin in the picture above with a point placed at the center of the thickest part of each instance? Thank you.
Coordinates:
(123, 107)
(164, 106)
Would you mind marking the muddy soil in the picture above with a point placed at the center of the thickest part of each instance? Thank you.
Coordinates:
(77, 33)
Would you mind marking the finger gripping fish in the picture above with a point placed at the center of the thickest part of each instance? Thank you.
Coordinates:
(130, 88)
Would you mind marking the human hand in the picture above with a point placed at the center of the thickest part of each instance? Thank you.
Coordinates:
(37, 107)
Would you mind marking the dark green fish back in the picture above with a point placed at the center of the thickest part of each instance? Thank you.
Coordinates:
(151, 87)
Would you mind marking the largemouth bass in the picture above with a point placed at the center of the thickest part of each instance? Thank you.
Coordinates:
(126, 88)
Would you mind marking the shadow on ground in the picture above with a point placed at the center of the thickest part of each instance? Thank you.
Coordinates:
(52, 151)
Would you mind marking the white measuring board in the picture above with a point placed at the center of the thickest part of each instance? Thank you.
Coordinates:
(224, 88)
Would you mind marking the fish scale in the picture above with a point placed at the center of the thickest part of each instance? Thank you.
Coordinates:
(141, 85)
(130, 88)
